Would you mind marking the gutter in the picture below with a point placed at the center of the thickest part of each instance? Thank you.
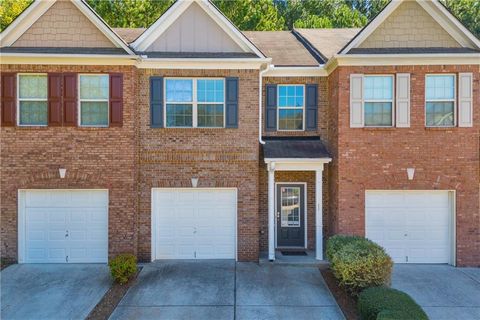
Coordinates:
(260, 103)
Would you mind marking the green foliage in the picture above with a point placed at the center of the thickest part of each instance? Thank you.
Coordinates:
(361, 264)
(10, 9)
(337, 242)
(123, 267)
(467, 11)
(382, 303)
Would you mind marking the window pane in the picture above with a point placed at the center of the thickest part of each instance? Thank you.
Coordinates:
(94, 87)
(94, 114)
(210, 90)
(33, 112)
(440, 114)
(378, 113)
(179, 115)
(179, 90)
(210, 115)
(440, 87)
(290, 119)
(378, 88)
(290, 96)
(33, 87)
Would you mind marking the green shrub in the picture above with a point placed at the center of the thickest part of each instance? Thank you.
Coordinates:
(337, 242)
(382, 303)
(123, 267)
(361, 264)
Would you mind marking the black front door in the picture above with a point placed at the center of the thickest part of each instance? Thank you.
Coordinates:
(290, 215)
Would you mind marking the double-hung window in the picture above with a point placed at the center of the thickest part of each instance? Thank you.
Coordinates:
(440, 100)
(378, 101)
(32, 100)
(94, 100)
(291, 107)
(193, 103)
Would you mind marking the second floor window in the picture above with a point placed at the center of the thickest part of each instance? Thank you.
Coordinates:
(195, 103)
(378, 101)
(291, 105)
(94, 100)
(440, 100)
(32, 100)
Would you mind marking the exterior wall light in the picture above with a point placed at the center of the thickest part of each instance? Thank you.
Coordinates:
(62, 172)
(410, 173)
(194, 182)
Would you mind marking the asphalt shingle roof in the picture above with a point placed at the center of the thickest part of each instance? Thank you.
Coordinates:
(294, 148)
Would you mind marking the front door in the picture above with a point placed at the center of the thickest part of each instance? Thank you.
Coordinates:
(290, 215)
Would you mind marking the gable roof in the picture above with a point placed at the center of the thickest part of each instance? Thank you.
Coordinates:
(129, 34)
(166, 20)
(31, 14)
(433, 7)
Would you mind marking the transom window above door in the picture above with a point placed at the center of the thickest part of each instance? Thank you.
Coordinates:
(195, 102)
(378, 101)
(32, 100)
(291, 107)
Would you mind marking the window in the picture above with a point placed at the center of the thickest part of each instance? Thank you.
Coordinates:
(440, 100)
(32, 100)
(195, 103)
(94, 104)
(291, 104)
(290, 211)
(378, 104)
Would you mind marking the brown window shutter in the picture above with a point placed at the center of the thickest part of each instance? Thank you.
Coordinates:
(9, 94)
(116, 99)
(70, 99)
(55, 99)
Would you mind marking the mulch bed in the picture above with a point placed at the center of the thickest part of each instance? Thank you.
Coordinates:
(347, 303)
(111, 299)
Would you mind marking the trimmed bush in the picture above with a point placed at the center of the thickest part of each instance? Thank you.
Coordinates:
(382, 303)
(123, 267)
(337, 242)
(361, 264)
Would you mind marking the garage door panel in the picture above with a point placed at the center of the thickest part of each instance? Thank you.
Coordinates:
(413, 227)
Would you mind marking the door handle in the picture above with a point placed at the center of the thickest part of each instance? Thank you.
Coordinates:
(278, 215)
(66, 233)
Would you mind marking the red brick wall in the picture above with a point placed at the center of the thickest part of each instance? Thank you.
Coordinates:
(94, 158)
(370, 158)
(170, 157)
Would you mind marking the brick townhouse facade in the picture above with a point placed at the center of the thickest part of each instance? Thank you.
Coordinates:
(193, 140)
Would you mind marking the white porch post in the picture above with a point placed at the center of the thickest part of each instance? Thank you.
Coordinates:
(271, 211)
(319, 213)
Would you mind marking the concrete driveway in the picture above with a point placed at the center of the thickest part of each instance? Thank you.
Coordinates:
(227, 290)
(443, 291)
(52, 291)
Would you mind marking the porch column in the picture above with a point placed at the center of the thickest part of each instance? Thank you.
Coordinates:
(271, 211)
(319, 213)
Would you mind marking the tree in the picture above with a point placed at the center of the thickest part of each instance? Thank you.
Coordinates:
(467, 11)
(10, 9)
(261, 15)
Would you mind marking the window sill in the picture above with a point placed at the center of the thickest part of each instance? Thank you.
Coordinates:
(440, 128)
(379, 128)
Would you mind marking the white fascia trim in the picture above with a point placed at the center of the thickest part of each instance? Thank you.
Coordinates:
(403, 59)
(298, 160)
(53, 59)
(202, 63)
(440, 14)
(373, 25)
(23, 22)
(278, 71)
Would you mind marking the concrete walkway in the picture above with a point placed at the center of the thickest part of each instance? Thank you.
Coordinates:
(444, 292)
(52, 291)
(227, 290)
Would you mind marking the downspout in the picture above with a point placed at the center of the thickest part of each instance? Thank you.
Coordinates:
(260, 101)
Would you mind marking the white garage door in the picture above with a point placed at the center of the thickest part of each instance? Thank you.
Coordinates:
(63, 226)
(193, 223)
(414, 227)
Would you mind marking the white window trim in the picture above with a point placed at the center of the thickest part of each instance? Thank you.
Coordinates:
(454, 100)
(29, 99)
(194, 102)
(80, 100)
(290, 108)
(299, 205)
(392, 101)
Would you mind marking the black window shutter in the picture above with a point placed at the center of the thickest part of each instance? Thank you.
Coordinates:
(271, 107)
(156, 102)
(231, 102)
(311, 107)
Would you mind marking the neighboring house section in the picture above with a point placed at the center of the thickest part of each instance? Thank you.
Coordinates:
(193, 140)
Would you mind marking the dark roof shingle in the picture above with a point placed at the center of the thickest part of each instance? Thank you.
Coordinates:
(294, 148)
